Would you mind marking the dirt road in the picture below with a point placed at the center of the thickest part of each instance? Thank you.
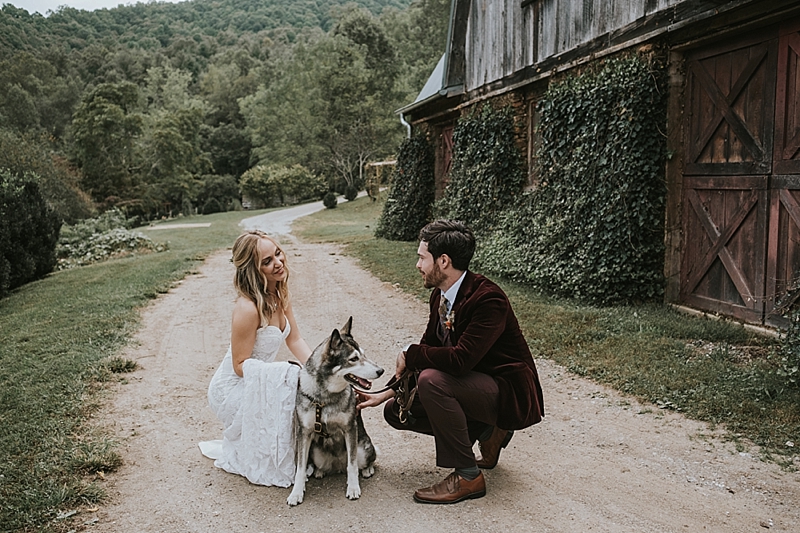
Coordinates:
(598, 462)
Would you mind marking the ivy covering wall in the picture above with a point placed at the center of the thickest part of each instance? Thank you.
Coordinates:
(410, 202)
(594, 227)
(487, 170)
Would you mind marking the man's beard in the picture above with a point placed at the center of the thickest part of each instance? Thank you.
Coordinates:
(435, 278)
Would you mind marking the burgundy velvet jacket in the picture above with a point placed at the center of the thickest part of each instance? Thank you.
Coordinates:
(486, 338)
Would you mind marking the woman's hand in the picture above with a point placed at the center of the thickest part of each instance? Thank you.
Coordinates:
(372, 400)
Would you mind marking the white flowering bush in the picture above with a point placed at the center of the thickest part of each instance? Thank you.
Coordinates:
(105, 237)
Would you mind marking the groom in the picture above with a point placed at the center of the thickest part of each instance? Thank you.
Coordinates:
(477, 379)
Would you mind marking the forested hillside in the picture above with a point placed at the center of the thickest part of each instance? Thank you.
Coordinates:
(144, 24)
(160, 108)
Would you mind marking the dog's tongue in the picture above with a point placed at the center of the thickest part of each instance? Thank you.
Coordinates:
(361, 382)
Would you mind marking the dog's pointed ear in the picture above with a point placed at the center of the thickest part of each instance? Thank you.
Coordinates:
(335, 340)
(348, 326)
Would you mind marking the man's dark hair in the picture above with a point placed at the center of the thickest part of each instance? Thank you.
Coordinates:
(452, 238)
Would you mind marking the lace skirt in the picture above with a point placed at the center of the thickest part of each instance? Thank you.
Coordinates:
(257, 412)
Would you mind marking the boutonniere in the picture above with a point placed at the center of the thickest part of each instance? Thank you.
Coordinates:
(450, 323)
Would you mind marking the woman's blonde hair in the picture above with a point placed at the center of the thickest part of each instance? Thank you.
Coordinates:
(250, 282)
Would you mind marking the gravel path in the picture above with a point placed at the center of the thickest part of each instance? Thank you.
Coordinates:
(598, 462)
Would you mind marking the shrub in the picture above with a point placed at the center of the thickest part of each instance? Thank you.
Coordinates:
(101, 238)
(276, 185)
(300, 184)
(28, 231)
(111, 219)
(788, 366)
(329, 200)
(350, 193)
(410, 203)
(212, 205)
(224, 189)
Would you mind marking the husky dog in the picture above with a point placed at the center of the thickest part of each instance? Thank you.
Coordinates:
(330, 431)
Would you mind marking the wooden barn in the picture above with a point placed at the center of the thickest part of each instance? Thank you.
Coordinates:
(733, 181)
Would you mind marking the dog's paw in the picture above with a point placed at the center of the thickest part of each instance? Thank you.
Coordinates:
(319, 474)
(309, 470)
(368, 471)
(353, 492)
(294, 498)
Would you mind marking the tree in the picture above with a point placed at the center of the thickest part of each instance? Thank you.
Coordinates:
(28, 232)
(33, 97)
(419, 35)
(228, 148)
(105, 129)
(23, 154)
(172, 156)
(331, 107)
(223, 189)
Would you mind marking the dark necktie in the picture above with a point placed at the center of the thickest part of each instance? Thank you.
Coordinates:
(443, 326)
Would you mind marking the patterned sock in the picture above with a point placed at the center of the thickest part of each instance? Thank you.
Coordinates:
(468, 473)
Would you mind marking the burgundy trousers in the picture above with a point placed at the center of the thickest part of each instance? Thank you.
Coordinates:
(455, 410)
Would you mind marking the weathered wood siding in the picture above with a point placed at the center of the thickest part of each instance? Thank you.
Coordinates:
(503, 36)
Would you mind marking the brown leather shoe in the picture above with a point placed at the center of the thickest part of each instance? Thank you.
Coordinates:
(452, 489)
(490, 449)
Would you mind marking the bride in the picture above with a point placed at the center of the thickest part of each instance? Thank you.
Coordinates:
(252, 395)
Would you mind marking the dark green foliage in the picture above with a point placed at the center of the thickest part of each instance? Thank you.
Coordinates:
(101, 238)
(229, 149)
(487, 171)
(186, 207)
(329, 200)
(788, 369)
(594, 228)
(410, 203)
(105, 128)
(169, 25)
(277, 82)
(277, 185)
(34, 97)
(224, 189)
(211, 205)
(58, 183)
(28, 232)
(418, 34)
(350, 193)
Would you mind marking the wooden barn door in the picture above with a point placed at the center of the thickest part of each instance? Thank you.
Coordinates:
(783, 266)
(728, 135)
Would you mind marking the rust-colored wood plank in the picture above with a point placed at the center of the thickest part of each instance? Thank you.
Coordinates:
(732, 119)
(787, 105)
(720, 239)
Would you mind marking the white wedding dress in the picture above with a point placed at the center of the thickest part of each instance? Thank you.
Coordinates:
(257, 412)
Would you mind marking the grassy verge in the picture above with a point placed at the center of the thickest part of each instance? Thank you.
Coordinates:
(58, 342)
(713, 371)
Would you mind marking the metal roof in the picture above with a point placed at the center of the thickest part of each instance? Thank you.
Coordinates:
(431, 90)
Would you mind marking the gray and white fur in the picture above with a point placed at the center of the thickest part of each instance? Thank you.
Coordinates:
(342, 445)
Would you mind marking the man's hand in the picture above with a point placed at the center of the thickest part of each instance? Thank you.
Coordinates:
(400, 365)
(372, 400)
